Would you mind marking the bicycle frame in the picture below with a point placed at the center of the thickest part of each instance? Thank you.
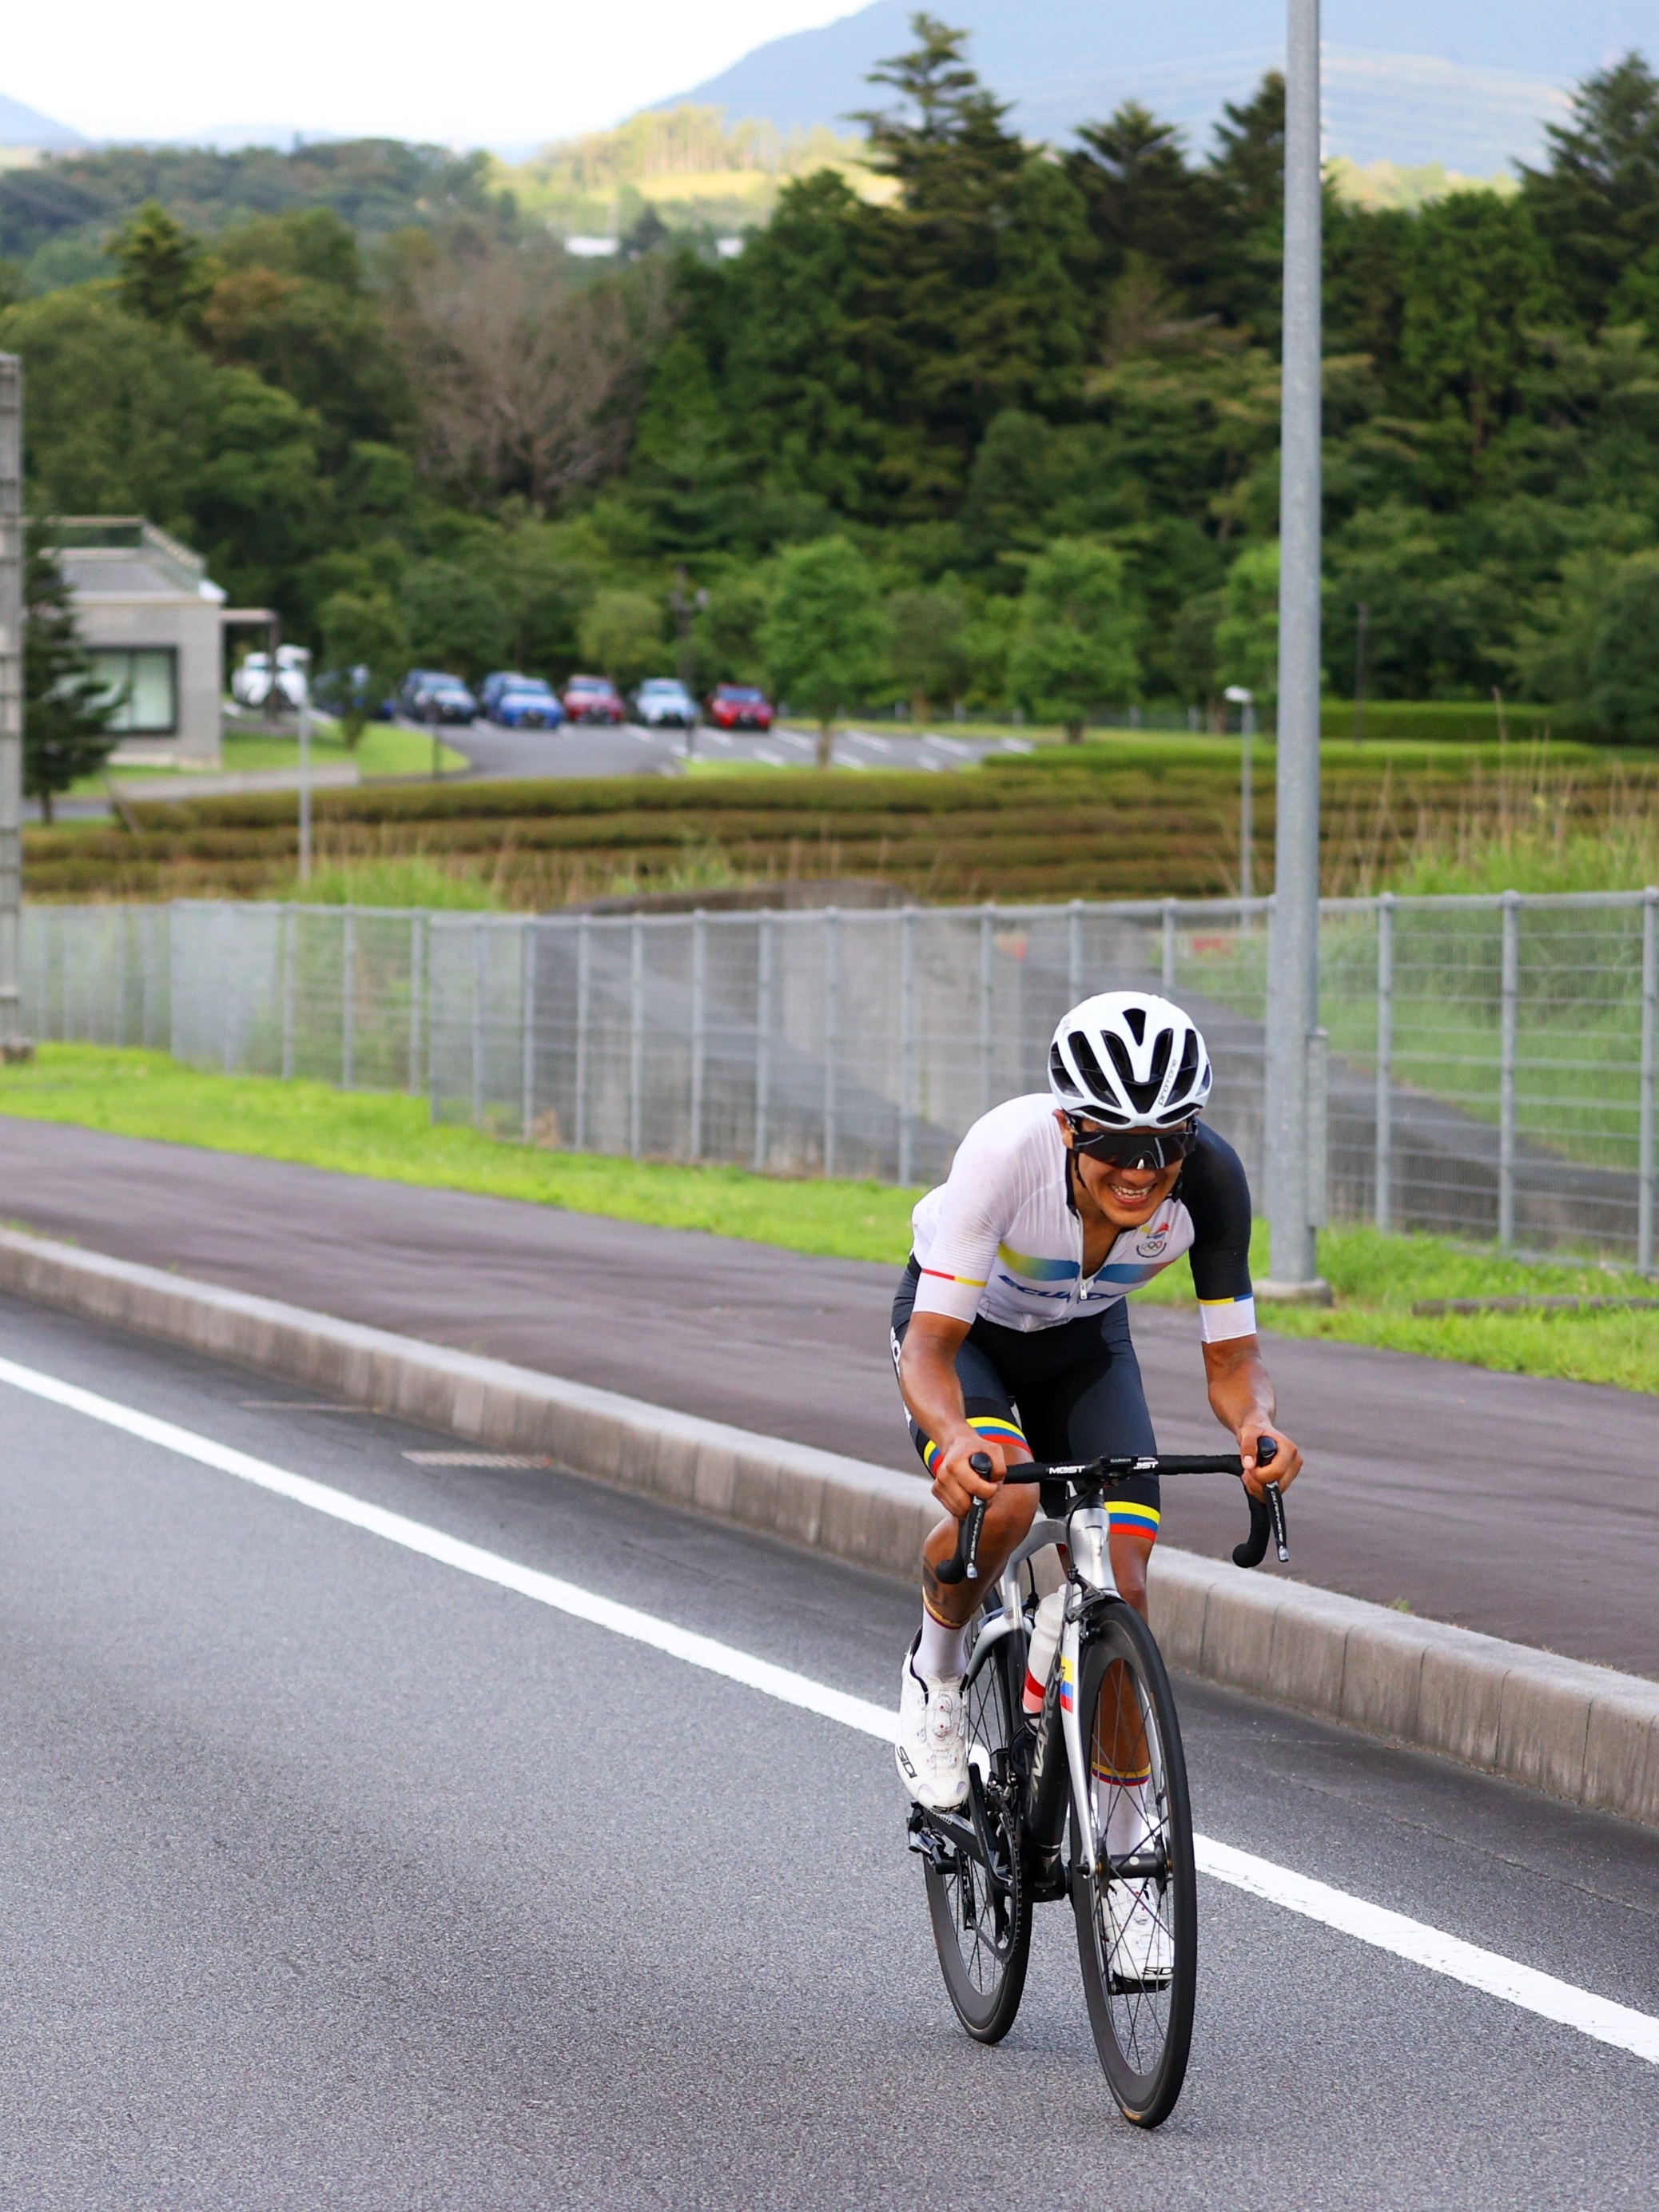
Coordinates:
(1059, 1777)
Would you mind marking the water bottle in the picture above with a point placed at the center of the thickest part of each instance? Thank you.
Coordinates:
(1040, 1651)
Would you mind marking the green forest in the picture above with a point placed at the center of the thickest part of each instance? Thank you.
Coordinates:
(1013, 420)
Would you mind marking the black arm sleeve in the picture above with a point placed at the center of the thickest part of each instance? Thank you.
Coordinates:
(1216, 1192)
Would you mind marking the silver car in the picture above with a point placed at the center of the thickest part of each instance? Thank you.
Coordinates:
(662, 702)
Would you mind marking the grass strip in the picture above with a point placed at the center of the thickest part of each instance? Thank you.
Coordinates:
(148, 1094)
(1378, 1279)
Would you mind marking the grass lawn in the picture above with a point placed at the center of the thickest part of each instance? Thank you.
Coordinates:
(383, 749)
(1376, 1278)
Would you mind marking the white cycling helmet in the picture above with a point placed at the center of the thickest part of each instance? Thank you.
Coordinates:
(1129, 1060)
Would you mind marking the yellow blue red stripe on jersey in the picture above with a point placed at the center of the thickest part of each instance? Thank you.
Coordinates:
(1001, 1428)
(1136, 1520)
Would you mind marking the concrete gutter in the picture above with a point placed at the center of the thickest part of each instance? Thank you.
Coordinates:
(1582, 1733)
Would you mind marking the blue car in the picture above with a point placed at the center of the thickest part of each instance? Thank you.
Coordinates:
(523, 702)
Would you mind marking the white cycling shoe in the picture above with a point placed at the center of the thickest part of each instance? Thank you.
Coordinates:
(930, 1748)
(1142, 1956)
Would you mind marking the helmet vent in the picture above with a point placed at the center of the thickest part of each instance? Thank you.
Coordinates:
(1134, 1020)
(1088, 1067)
(1187, 1069)
(1060, 1075)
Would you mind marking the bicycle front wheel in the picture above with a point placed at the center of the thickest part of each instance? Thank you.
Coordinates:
(1134, 1890)
(981, 1925)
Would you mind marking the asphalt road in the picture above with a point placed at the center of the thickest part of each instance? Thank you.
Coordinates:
(337, 1877)
(1519, 1506)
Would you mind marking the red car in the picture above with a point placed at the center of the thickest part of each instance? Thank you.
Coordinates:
(739, 707)
(592, 699)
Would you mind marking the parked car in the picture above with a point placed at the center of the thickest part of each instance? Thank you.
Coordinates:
(592, 699)
(739, 707)
(663, 703)
(254, 682)
(429, 695)
(524, 702)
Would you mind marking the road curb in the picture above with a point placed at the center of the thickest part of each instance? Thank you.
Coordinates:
(1583, 1733)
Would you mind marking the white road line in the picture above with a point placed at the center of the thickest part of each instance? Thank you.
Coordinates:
(1489, 1971)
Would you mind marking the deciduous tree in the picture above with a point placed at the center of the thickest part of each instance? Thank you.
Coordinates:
(825, 639)
(1073, 650)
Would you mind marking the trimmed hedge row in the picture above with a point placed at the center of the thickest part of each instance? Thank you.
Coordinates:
(1101, 822)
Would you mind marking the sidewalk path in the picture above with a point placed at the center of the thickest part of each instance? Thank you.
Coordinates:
(1526, 1508)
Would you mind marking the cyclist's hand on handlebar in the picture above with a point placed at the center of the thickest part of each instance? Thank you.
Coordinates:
(1286, 1462)
(956, 1484)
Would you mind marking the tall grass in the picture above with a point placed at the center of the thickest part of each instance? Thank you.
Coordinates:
(397, 880)
(1539, 824)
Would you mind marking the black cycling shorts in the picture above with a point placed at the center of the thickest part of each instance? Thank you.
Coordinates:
(1069, 1392)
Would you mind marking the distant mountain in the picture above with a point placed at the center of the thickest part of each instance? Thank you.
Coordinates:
(1470, 84)
(27, 126)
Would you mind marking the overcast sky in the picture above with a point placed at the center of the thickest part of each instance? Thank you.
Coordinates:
(476, 72)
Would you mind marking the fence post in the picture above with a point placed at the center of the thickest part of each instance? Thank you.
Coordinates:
(762, 1043)
(348, 1002)
(230, 970)
(291, 964)
(907, 1043)
(1319, 1127)
(1511, 1002)
(1074, 950)
(480, 958)
(635, 1035)
(1385, 1062)
(1650, 1069)
(416, 999)
(1168, 983)
(584, 975)
(831, 1030)
(699, 1019)
(986, 978)
(527, 1027)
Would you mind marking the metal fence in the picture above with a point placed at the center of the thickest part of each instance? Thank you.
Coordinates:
(1490, 1074)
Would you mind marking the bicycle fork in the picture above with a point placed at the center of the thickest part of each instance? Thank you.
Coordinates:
(1061, 1772)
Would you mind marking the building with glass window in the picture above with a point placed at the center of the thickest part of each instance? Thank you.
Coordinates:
(153, 622)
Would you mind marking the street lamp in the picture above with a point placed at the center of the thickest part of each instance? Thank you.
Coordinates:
(1295, 1043)
(1239, 695)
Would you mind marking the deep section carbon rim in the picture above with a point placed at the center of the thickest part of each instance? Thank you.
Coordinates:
(983, 1927)
(1133, 1888)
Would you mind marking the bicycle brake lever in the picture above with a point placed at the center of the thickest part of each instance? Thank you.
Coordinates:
(1276, 1510)
(1267, 1517)
(964, 1564)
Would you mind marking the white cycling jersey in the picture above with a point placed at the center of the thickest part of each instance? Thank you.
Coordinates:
(1000, 1239)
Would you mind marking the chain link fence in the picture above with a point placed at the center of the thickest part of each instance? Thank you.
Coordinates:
(1490, 1071)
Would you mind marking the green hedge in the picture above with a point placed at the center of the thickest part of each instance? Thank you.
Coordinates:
(1437, 721)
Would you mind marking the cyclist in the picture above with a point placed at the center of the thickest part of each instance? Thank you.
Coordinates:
(1011, 1334)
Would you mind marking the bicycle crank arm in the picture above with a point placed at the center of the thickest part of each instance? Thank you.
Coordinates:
(940, 1836)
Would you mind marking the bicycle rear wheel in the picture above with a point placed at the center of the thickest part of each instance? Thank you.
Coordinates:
(981, 1926)
(1134, 1890)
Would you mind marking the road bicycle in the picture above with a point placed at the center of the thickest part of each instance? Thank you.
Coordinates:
(1088, 1801)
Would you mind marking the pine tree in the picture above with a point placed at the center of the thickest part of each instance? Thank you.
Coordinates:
(1596, 205)
(67, 712)
(165, 275)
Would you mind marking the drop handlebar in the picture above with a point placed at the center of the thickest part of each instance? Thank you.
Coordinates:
(1267, 1514)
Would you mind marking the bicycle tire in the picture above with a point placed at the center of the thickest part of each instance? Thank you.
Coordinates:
(984, 1939)
(1130, 1934)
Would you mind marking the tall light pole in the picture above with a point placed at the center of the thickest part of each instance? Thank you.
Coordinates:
(1295, 1072)
(12, 1045)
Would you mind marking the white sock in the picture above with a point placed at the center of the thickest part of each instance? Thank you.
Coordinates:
(1128, 1818)
(941, 1651)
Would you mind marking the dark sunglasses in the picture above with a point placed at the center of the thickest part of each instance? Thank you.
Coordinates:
(1133, 1148)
